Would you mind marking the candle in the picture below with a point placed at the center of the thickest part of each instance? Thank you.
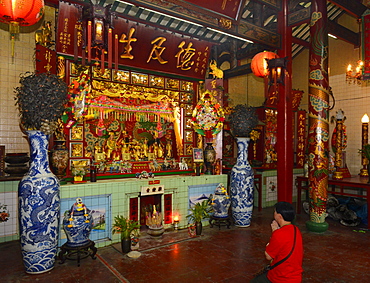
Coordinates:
(89, 41)
(102, 67)
(116, 52)
(110, 49)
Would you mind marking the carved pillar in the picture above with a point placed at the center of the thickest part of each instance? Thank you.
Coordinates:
(318, 132)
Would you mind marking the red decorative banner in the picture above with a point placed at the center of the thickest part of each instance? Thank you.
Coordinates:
(301, 138)
(46, 60)
(138, 46)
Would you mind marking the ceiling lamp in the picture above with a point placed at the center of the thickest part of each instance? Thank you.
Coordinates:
(259, 63)
(355, 77)
(20, 13)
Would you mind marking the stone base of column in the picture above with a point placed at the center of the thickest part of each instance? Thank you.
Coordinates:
(317, 227)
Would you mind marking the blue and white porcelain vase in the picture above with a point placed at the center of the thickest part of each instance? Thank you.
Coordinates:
(77, 224)
(242, 186)
(221, 202)
(39, 206)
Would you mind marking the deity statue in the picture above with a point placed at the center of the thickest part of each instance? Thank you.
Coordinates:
(145, 147)
(169, 149)
(110, 145)
(160, 150)
(98, 154)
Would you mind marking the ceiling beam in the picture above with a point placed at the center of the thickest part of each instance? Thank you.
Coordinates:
(344, 33)
(353, 7)
(238, 71)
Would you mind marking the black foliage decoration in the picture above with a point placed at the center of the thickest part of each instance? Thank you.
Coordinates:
(243, 120)
(40, 99)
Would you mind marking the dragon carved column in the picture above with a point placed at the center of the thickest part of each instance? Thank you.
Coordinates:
(318, 132)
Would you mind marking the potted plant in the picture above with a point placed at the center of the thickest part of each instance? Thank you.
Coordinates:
(198, 212)
(126, 228)
(243, 120)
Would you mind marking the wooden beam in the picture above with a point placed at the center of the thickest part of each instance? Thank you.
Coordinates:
(352, 7)
(238, 71)
(302, 42)
(344, 33)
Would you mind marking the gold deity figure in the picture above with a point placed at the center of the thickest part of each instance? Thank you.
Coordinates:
(169, 149)
(110, 145)
(98, 154)
(145, 147)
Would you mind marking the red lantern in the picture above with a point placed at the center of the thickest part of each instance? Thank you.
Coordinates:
(24, 13)
(20, 13)
(259, 63)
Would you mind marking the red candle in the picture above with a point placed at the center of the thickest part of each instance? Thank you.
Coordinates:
(116, 52)
(102, 61)
(110, 49)
(89, 41)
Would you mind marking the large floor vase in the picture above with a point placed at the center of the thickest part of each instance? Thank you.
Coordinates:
(242, 186)
(39, 206)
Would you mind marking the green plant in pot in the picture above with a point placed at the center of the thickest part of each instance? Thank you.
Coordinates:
(126, 228)
(198, 212)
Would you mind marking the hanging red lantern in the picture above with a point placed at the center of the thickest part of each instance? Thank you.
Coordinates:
(259, 63)
(20, 13)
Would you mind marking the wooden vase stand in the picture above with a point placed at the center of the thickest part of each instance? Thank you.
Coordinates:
(77, 253)
(220, 221)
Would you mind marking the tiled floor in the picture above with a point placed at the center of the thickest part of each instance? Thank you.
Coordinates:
(228, 255)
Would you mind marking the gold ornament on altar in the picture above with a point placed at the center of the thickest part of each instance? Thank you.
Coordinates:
(254, 135)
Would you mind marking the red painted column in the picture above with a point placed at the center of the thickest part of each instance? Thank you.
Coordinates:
(285, 113)
(318, 107)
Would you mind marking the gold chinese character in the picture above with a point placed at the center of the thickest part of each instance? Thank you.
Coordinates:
(127, 49)
(157, 50)
(48, 56)
(184, 56)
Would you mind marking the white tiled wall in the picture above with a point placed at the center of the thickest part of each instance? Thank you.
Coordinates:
(271, 188)
(10, 69)
(9, 204)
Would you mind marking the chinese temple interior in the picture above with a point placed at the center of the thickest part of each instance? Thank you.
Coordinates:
(146, 132)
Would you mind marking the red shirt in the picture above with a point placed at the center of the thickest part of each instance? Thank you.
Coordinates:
(280, 245)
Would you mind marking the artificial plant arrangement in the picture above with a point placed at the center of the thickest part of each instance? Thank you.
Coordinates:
(124, 226)
(78, 171)
(40, 99)
(243, 119)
